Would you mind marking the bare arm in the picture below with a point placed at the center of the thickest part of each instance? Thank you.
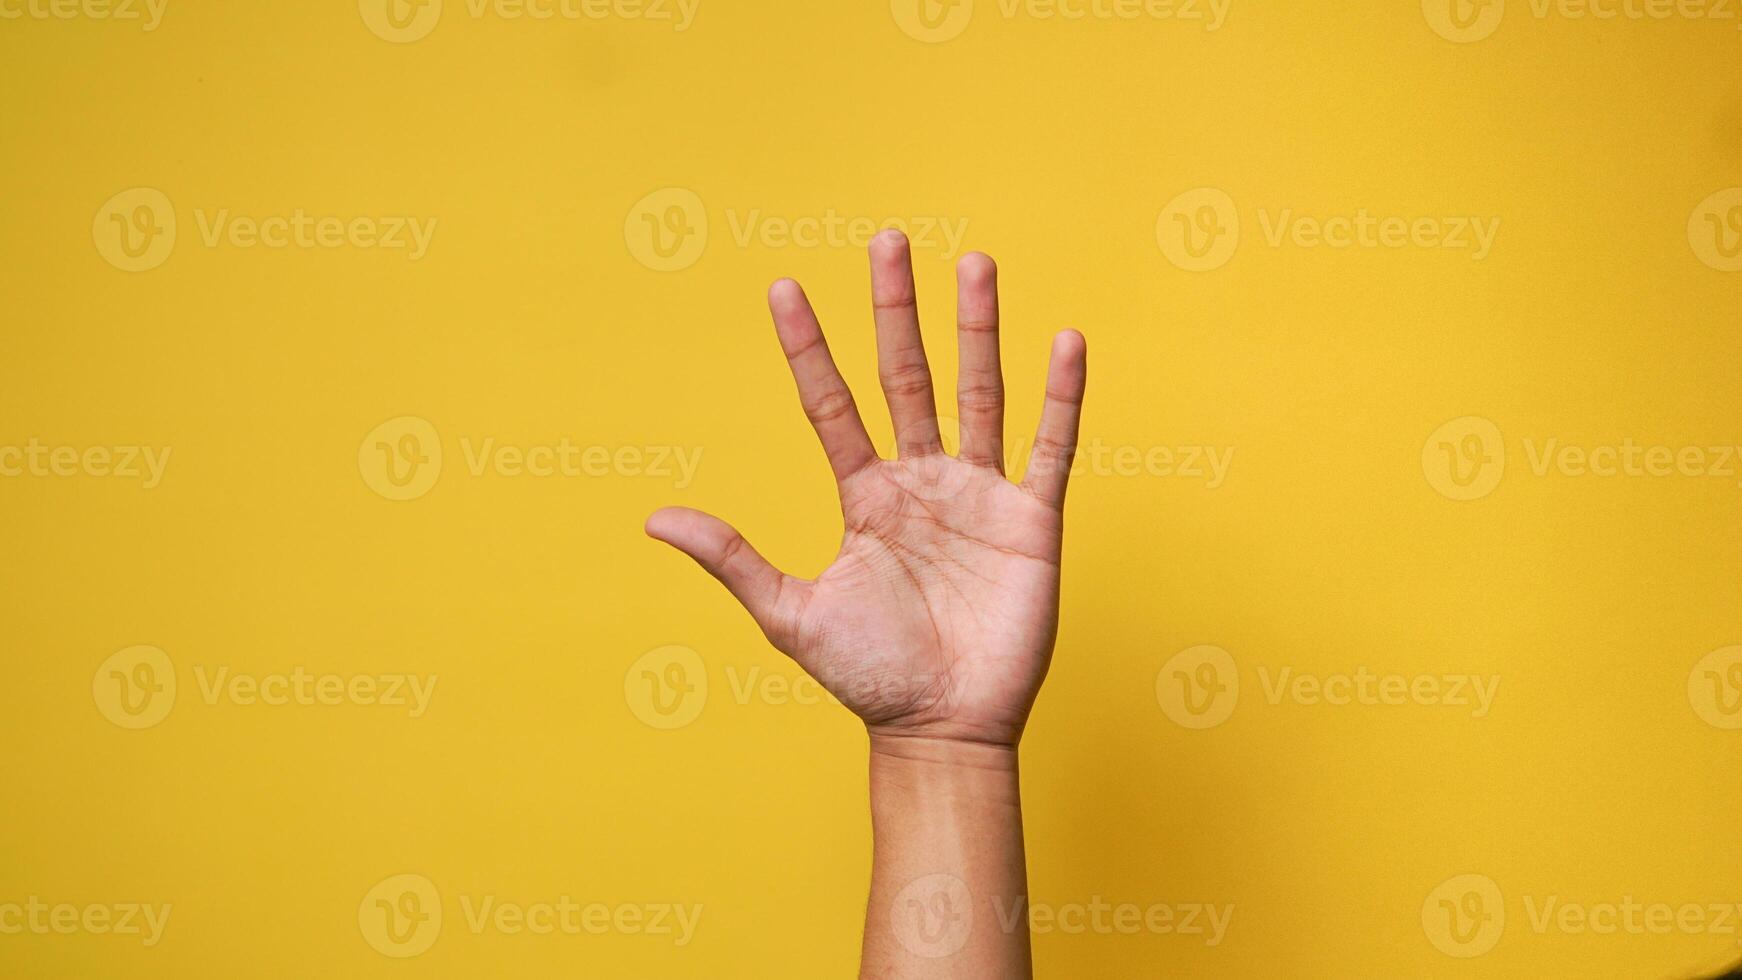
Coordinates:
(949, 889)
(935, 623)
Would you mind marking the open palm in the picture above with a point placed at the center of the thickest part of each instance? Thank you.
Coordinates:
(937, 618)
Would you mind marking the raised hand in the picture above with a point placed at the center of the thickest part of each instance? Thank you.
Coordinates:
(937, 618)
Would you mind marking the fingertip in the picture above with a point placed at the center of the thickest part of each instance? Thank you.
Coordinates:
(784, 292)
(976, 268)
(890, 244)
(664, 522)
(1070, 346)
(891, 269)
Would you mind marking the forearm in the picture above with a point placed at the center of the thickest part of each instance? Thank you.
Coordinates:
(949, 891)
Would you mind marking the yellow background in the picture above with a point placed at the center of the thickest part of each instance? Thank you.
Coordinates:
(532, 776)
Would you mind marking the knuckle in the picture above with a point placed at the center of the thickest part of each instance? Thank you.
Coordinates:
(1049, 447)
(808, 345)
(980, 397)
(733, 548)
(977, 322)
(829, 406)
(907, 379)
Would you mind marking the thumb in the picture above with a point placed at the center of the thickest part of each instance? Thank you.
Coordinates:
(773, 599)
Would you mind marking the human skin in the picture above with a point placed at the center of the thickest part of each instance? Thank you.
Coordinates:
(935, 623)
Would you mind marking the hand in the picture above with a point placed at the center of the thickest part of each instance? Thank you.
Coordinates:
(937, 618)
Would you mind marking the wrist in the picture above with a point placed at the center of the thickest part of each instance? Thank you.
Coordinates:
(918, 767)
(942, 752)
